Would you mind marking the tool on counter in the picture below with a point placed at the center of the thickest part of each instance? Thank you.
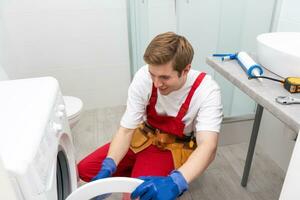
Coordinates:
(245, 61)
(254, 70)
(287, 100)
(291, 84)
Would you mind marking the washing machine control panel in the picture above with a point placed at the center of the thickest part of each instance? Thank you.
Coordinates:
(60, 114)
(58, 119)
(57, 125)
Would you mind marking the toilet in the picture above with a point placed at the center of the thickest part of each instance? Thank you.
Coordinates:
(73, 109)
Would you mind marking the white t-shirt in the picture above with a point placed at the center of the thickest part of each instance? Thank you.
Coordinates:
(204, 113)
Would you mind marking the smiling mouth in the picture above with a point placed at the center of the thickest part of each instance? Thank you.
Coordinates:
(163, 89)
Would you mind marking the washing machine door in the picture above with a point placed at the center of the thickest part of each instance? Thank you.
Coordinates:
(109, 188)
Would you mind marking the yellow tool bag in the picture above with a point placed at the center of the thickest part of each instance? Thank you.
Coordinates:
(144, 136)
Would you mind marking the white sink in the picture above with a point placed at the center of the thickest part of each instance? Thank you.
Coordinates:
(279, 52)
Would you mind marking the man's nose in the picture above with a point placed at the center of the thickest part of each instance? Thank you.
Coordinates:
(157, 83)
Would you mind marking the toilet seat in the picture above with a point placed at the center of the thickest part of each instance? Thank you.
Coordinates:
(73, 106)
(104, 186)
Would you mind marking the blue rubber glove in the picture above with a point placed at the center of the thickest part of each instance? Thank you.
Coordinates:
(107, 169)
(161, 188)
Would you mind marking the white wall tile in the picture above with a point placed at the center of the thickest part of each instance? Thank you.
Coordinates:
(242, 104)
(69, 39)
(3, 75)
(102, 97)
(199, 23)
(288, 25)
(257, 20)
(289, 17)
(84, 44)
(227, 92)
(232, 15)
(274, 139)
(86, 78)
(290, 10)
(162, 12)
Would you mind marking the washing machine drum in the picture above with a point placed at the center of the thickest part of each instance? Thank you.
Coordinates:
(109, 188)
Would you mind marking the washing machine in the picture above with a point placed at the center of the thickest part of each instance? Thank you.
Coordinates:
(35, 140)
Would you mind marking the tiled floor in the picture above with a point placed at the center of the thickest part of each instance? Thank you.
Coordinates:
(220, 181)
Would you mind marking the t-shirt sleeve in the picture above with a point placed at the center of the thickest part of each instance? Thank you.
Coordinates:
(137, 100)
(210, 114)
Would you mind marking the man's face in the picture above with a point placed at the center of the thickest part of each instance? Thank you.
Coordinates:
(166, 79)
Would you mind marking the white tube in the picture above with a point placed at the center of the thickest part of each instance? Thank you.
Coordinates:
(248, 64)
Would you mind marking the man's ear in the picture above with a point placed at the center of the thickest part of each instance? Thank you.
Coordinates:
(186, 69)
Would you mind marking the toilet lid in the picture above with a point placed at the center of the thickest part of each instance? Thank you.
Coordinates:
(104, 186)
(73, 106)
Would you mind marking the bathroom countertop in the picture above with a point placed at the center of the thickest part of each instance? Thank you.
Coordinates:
(264, 93)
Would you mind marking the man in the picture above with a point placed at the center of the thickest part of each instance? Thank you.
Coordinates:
(169, 131)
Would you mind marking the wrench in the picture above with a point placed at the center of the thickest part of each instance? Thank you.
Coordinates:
(287, 100)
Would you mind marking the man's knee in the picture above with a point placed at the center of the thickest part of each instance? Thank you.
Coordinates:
(83, 171)
(90, 165)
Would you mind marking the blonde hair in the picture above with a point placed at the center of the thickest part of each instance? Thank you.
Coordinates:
(168, 47)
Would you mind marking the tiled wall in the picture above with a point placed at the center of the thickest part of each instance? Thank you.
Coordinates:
(3, 75)
(289, 18)
(84, 44)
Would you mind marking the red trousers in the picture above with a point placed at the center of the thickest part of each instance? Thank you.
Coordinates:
(150, 162)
